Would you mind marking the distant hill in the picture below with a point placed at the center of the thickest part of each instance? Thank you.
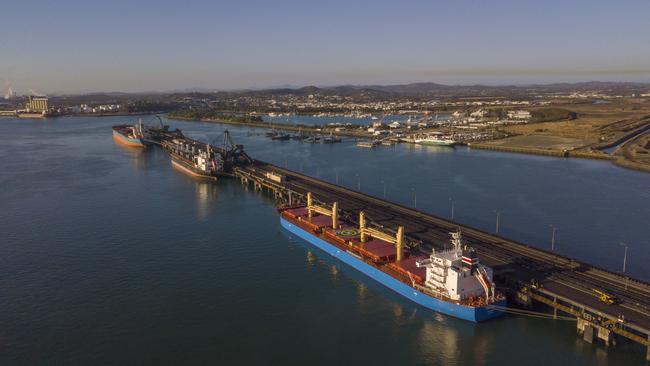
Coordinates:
(416, 90)
(433, 90)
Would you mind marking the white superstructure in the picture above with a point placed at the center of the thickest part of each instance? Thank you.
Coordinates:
(435, 140)
(456, 273)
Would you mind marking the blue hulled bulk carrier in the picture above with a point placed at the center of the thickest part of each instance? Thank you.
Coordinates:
(451, 282)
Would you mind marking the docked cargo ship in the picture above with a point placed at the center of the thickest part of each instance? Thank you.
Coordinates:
(200, 159)
(200, 163)
(128, 135)
(451, 281)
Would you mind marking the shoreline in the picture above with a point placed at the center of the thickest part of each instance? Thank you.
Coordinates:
(49, 116)
(270, 125)
(619, 161)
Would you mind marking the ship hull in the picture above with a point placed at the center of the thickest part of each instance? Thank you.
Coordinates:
(436, 143)
(473, 314)
(183, 167)
(128, 141)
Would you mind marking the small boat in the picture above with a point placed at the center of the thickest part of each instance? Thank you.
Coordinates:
(298, 136)
(281, 136)
(367, 144)
(330, 139)
(313, 139)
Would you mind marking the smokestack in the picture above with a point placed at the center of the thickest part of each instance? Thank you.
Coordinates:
(470, 259)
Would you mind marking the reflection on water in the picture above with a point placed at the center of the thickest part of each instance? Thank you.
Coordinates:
(398, 311)
(362, 290)
(480, 349)
(440, 342)
(206, 195)
(432, 148)
(334, 271)
(137, 155)
(311, 259)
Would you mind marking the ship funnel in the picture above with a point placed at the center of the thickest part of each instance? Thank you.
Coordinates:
(470, 258)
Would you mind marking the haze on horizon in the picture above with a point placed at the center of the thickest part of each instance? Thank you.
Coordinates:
(73, 46)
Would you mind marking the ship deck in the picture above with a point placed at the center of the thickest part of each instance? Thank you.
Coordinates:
(376, 252)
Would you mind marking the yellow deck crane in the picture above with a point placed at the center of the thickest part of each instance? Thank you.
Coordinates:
(397, 240)
(333, 212)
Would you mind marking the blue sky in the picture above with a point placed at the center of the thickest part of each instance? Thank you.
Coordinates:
(80, 46)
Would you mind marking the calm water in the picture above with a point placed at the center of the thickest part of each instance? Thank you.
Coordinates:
(108, 256)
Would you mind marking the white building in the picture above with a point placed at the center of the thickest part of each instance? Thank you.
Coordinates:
(520, 114)
(478, 114)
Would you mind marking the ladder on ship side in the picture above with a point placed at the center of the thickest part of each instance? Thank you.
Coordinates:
(483, 280)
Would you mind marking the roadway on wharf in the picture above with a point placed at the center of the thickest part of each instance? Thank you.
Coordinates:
(519, 269)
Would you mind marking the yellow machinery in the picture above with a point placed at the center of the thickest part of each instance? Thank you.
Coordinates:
(605, 297)
(333, 212)
(364, 230)
(398, 239)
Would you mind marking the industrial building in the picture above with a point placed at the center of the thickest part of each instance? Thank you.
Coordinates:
(37, 104)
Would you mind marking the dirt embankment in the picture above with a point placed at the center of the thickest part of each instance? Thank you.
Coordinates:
(597, 128)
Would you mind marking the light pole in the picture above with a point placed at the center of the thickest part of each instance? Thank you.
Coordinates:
(624, 256)
(384, 184)
(415, 198)
(624, 262)
(452, 208)
(496, 229)
(553, 229)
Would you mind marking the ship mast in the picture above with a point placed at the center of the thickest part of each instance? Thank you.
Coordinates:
(456, 240)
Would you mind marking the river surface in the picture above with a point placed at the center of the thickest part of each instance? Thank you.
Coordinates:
(110, 257)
